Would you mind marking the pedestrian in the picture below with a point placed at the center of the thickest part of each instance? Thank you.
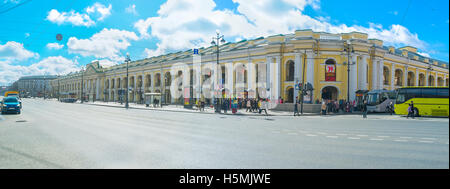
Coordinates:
(324, 108)
(364, 109)
(225, 106)
(391, 108)
(202, 105)
(410, 111)
(413, 109)
(296, 109)
(263, 107)
(249, 105)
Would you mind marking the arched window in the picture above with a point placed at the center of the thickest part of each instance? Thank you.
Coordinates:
(148, 80)
(158, 80)
(421, 79)
(167, 78)
(411, 79)
(431, 81)
(290, 70)
(330, 70)
(398, 78)
(386, 75)
(440, 82)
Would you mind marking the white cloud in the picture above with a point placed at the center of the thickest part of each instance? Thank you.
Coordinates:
(15, 51)
(424, 54)
(80, 19)
(106, 44)
(48, 66)
(131, 9)
(100, 9)
(27, 35)
(184, 24)
(54, 46)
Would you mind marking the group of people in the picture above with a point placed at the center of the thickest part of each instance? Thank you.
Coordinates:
(251, 105)
(329, 106)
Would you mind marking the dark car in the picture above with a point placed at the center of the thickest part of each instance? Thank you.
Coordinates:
(10, 104)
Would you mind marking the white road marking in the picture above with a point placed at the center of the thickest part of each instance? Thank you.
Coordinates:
(406, 137)
(311, 135)
(342, 134)
(362, 135)
(354, 138)
(292, 134)
(426, 141)
(428, 138)
(384, 136)
(401, 140)
(321, 133)
(332, 137)
(377, 139)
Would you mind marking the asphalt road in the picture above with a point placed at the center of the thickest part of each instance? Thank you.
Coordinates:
(49, 134)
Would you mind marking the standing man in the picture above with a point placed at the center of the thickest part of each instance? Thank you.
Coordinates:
(364, 109)
(296, 108)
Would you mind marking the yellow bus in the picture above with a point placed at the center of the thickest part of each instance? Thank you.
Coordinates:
(11, 93)
(428, 101)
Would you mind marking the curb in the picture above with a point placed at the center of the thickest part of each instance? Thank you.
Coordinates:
(196, 112)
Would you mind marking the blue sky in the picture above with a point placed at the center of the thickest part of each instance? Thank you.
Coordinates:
(106, 30)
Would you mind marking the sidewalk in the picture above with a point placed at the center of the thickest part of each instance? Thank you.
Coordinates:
(180, 108)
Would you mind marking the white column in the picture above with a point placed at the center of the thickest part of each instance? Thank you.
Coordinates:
(98, 93)
(362, 70)
(297, 73)
(405, 76)
(427, 75)
(435, 79)
(353, 77)
(417, 77)
(374, 74)
(277, 80)
(268, 74)
(380, 74)
(230, 83)
(393, 77)
(198, 74)
(251, 78)
(310, 68)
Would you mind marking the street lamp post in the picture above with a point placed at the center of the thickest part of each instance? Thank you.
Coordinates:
(59, 91)
(220, 39)
(82, 84)
(126, 89)
(349, 49)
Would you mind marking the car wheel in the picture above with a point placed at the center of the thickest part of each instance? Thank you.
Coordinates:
(416, 112)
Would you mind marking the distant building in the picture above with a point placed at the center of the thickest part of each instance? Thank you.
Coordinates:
(268, 67)
(35, 86)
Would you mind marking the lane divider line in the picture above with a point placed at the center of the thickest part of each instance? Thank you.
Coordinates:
(310, 135)
(353, 138)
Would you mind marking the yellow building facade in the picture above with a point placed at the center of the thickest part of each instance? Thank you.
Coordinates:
(336, 66)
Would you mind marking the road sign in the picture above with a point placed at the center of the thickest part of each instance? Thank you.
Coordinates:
(59, 37)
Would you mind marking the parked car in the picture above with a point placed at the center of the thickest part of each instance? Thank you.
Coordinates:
(10, 104)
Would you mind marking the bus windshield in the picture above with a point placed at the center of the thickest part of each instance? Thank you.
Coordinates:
(373, 99)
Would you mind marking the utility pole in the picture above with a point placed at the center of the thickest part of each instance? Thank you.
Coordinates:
(349, 50)
(59, 91)
(82, 84)
(127, 60)
(220, 39)
(303, 82)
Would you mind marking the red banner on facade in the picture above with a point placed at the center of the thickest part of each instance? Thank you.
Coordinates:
(330, 72)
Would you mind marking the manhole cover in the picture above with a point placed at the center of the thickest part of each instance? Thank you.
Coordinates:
(21, 121)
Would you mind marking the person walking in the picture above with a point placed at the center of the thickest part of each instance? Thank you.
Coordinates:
(364, 109)
(263, 107)
(324, 108)
(296, 109)
(225, 106)
(390, 108)
(249, 106)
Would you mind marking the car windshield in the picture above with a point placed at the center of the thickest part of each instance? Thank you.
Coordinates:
(9, 100)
